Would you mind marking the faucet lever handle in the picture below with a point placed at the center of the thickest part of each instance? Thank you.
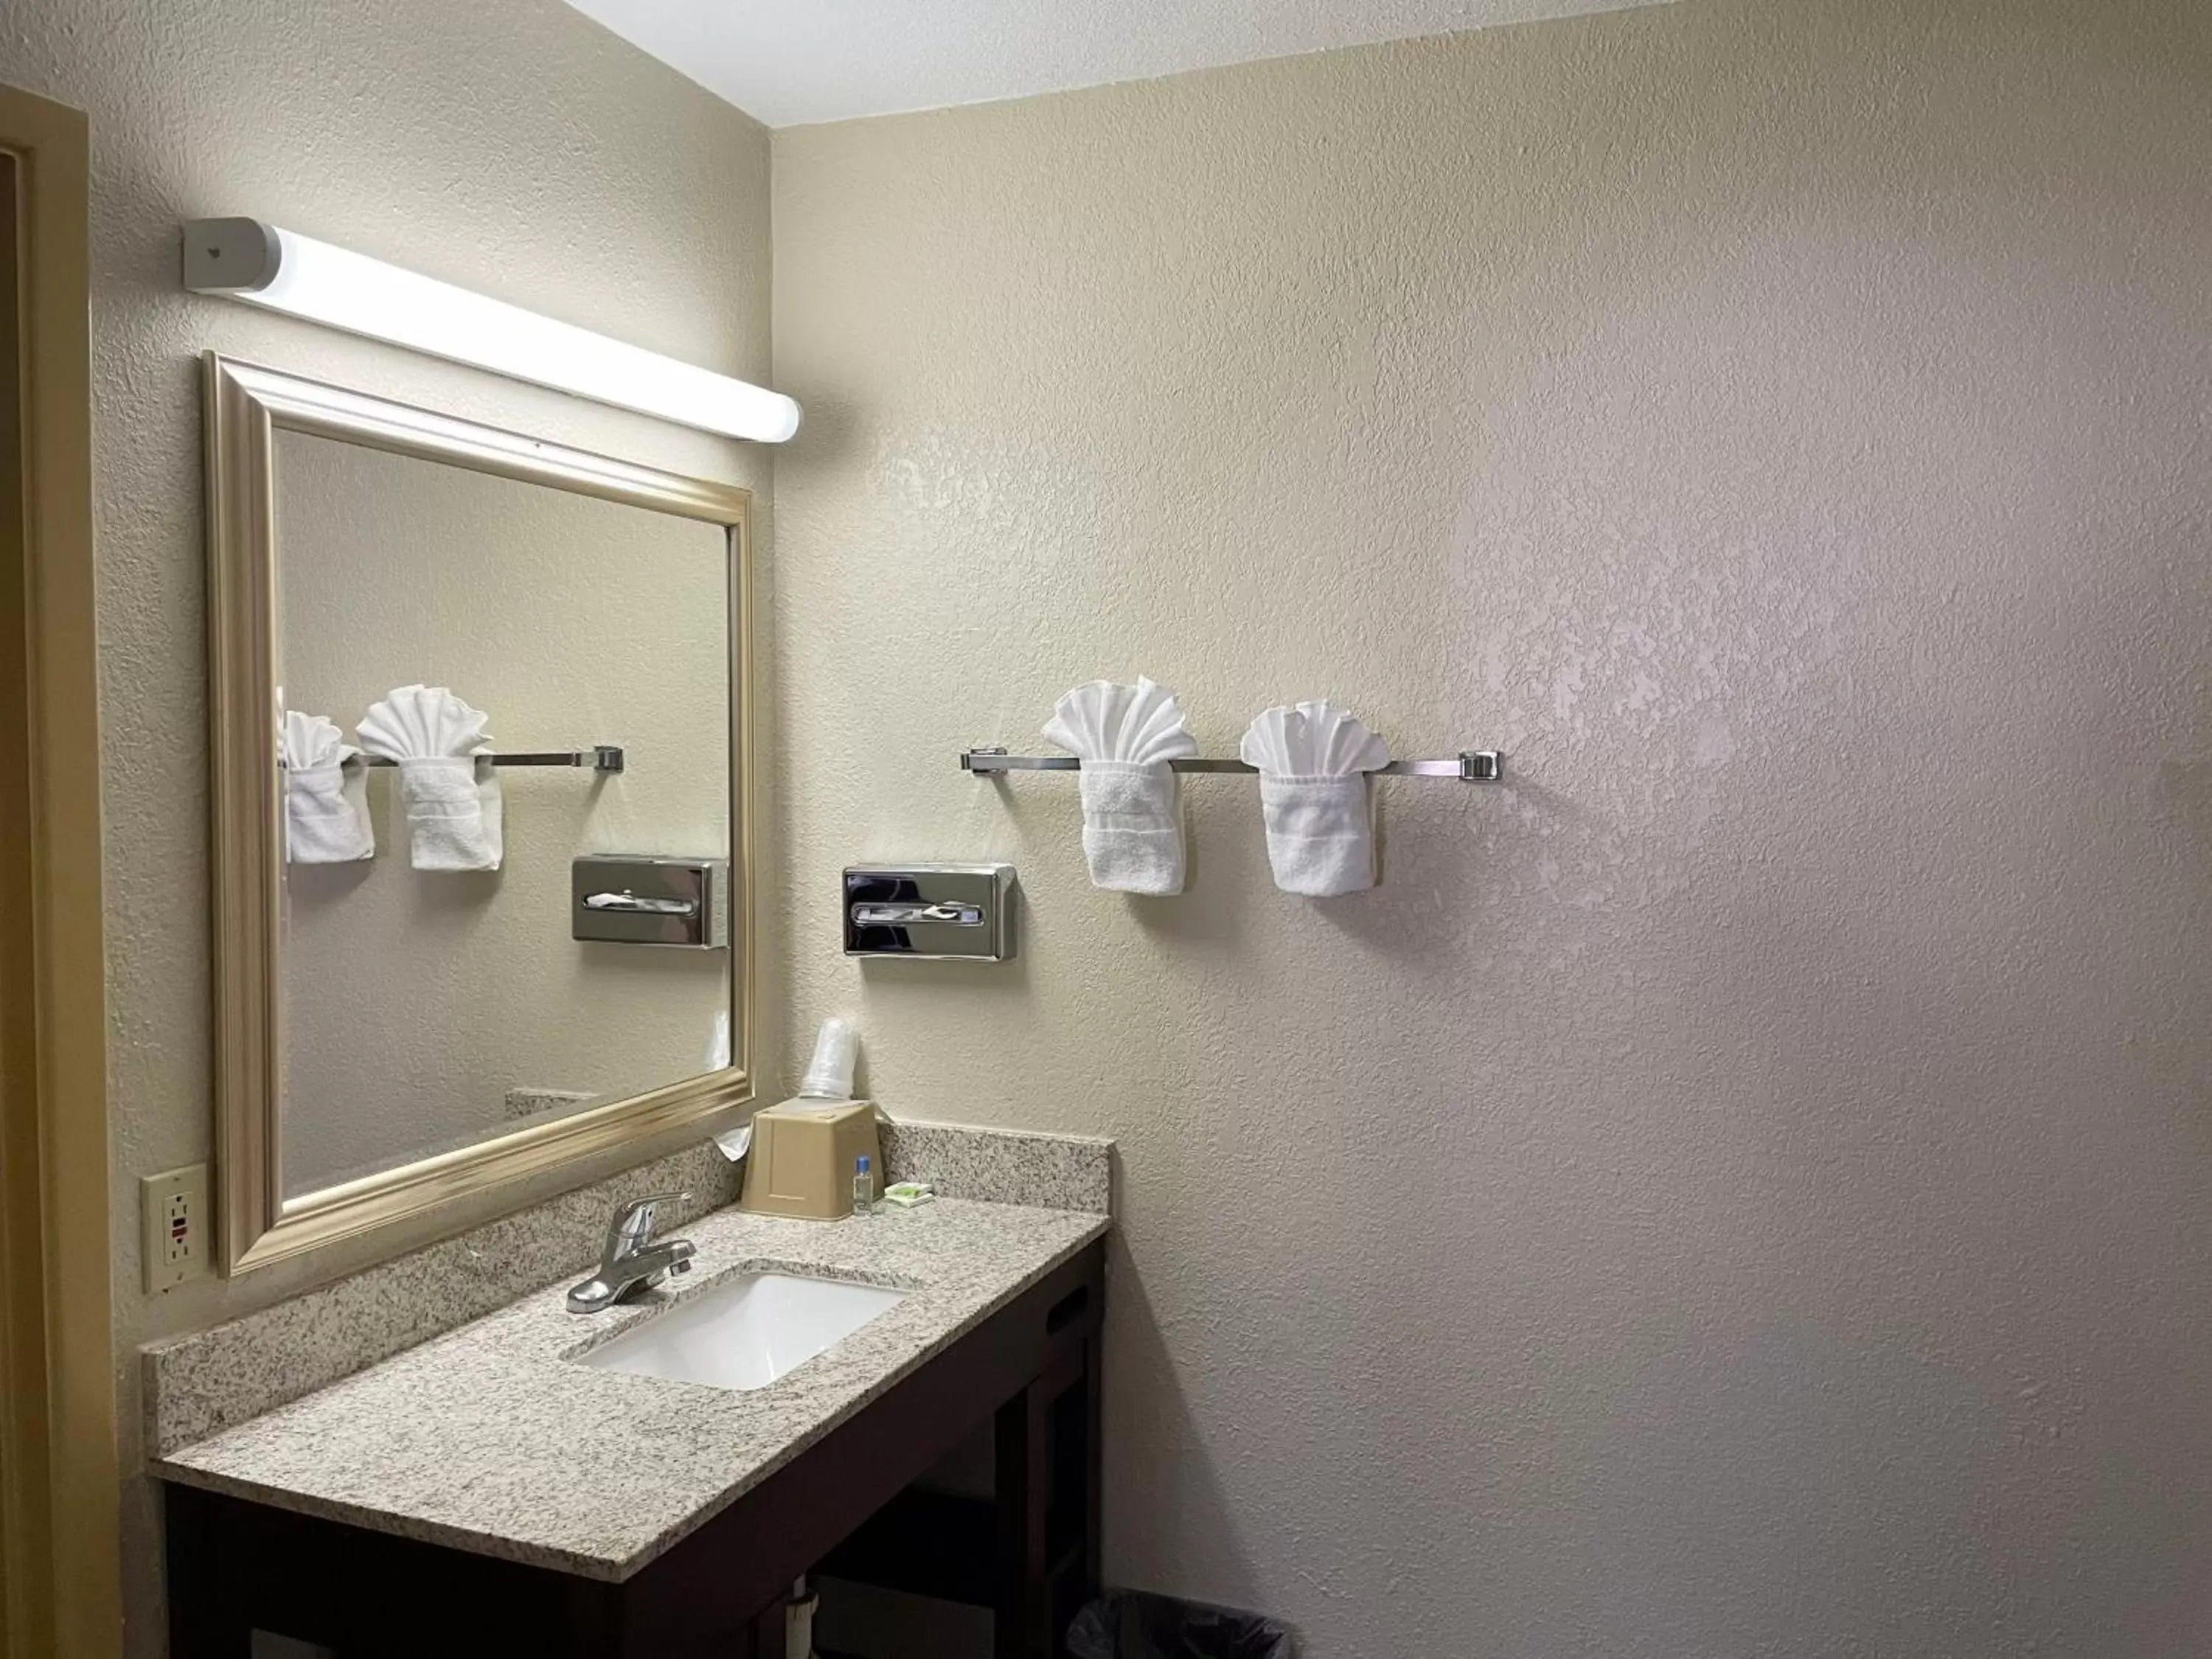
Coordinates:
(633, 1224)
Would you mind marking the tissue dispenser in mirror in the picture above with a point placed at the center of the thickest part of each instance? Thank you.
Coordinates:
(931, 912)
(802, 1158)
(635, 898)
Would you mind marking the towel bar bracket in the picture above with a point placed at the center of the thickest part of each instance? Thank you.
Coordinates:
(1471, 766)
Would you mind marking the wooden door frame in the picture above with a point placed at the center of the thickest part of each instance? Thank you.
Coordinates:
(59, 1546)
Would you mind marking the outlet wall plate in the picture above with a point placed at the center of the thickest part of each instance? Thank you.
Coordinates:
(175, 1223)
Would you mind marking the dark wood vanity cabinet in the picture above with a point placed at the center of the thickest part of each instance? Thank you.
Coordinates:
(847, 1506)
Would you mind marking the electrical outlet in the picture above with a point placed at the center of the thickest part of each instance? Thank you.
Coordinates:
(172, 1220)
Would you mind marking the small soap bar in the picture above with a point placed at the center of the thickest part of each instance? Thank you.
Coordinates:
(908, 1194)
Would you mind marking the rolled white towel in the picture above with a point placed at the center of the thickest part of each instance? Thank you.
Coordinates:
(1125, 735)
(325, 800)
(1314, 795)
(454, 811)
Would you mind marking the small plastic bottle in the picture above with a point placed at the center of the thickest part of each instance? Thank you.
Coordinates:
(864, 1186)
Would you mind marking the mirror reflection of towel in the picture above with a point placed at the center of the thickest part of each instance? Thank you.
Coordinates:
(454, 807)
(325, 800)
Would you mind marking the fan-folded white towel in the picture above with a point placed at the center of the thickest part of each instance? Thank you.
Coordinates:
(454, 808)
(1312, 758)
(325, 800)
(1125, 735)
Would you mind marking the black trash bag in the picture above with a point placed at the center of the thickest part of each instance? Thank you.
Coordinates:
(1131, 1625)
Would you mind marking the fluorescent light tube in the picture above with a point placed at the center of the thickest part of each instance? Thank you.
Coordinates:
(285, 271)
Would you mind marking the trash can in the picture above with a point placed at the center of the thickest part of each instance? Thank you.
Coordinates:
(1131, 1625)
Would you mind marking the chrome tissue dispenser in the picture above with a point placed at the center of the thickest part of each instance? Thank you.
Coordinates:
(636, 898)
(930, 912)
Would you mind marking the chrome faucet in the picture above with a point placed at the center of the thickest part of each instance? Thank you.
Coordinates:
(632, 1258)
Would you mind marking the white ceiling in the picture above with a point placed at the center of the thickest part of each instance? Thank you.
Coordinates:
(791, 62)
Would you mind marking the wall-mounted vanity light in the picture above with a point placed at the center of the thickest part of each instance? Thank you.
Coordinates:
(283, 270)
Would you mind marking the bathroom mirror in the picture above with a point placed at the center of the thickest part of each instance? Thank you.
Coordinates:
(513, 930)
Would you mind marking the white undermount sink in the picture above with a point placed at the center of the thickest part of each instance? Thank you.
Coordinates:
(745, 1334)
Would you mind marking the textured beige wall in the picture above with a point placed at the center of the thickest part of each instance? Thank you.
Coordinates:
(1745, 1188)
(414, 1002)
(517, 148)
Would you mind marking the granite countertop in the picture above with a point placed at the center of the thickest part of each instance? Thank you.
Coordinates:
(491, 1438)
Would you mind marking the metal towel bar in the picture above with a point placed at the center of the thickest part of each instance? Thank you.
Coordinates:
(1473, 765)
(601, 758)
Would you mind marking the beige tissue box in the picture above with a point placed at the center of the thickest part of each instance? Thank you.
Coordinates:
(802, 1158)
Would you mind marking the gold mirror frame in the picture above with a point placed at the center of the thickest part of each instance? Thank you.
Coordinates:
(246, 406)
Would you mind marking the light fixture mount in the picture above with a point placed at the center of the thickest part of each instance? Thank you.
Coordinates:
(230, 256)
